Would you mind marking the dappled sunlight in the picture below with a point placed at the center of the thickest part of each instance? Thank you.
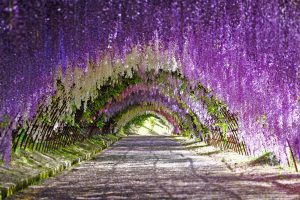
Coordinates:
(152, 167)
(203, 96)
(152, 126)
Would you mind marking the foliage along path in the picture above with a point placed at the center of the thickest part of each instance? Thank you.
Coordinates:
(154, 166)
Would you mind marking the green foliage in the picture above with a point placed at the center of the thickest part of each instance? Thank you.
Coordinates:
(137, 121)
(101, 122)
(223, 126)
(204, 130)
(152, 121)
(267, 158)
(69, 120)
(121, 131)
(20, 137)
(87, 116)
(183, 87)
(30, 167)
(5, 122)
(214, 106)
(163, 122)
(186, 133)
(1, 162)
(44, 118)
(108, 92)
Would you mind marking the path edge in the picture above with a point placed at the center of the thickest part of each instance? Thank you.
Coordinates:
(7, 191)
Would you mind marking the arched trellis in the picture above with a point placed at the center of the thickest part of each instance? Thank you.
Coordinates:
(140, 111)
(231, 50)
(216, 138)
(165, 110)
(57, 124)
(45, 132)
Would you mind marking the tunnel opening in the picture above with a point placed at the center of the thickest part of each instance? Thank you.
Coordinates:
(62, 123)
(148, 124)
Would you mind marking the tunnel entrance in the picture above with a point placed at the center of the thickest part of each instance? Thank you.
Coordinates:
(148, 125)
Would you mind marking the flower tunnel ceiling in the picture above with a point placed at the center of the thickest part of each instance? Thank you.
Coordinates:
(72, 68)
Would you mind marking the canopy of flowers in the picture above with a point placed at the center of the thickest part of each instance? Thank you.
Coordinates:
(245, 55)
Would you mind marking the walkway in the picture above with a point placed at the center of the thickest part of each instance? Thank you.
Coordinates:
(152, 167)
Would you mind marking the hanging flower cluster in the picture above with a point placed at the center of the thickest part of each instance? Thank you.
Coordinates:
(245, 53)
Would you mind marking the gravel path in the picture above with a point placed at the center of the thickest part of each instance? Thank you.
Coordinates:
(153, 167)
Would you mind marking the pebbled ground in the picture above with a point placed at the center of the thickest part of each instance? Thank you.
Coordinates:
(153, 167)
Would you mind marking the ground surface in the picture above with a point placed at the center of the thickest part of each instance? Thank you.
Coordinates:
(144, 167)
(27, 166)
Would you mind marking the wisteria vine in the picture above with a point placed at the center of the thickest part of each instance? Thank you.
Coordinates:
(245, 53)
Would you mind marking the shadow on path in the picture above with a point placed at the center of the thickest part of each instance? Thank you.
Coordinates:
(145, 167)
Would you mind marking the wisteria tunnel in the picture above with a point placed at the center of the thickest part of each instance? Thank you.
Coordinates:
(225, 73)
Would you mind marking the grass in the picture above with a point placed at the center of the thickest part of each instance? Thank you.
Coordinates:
(30, 167)
(266, 159)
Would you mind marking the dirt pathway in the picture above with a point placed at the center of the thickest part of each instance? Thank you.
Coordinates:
(152, 167)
